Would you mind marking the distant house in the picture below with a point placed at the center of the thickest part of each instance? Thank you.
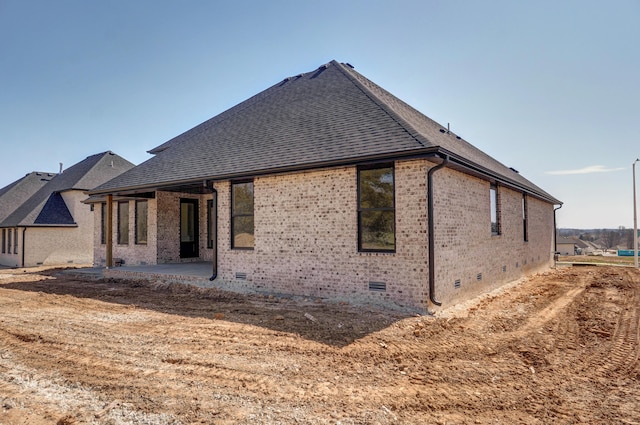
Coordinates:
(565, 245)
(327, 185)
(42, 218)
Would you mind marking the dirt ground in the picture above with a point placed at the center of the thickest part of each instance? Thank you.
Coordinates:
(559, 347)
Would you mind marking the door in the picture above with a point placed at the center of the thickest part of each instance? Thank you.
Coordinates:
(189, 228)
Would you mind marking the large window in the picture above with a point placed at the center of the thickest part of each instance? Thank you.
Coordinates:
(123, 223)
(525, 214)
(376, 209)
(4, 241)
(141, 222)
(15, 241)
(9, 241)
(242, 215)
(495, 209)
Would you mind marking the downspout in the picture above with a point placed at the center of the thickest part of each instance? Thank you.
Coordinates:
(432, 243)
(24, 231)
(214, 207)
(555, 236)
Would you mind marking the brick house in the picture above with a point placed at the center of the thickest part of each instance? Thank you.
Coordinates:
(43, 220)
(327, 185)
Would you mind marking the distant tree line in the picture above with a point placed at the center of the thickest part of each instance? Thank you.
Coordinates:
(607, 238)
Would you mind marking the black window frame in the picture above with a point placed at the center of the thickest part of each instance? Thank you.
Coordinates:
(138, 228)
(123, 237)
(103, 223)
(525, 217)
(236, 215)
(361, 209)
(494, 207)
(210, 232)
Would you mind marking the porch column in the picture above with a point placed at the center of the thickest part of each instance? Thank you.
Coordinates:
(109, 235)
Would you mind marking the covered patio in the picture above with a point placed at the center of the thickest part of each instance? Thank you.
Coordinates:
(196, 273)
(193, 272)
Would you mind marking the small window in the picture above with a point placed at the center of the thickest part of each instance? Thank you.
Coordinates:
(9, 241)
(103, 223)
(242, 224)
(123, 223)
(525, 213)
(141, 222)
(4, 241)
(15, 241)
(376, 209)
(495, 209)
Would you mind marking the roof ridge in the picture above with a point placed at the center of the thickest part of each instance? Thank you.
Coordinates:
(409, 128)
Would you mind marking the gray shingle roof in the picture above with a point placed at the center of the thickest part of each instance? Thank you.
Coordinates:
(46, 207)
(14, 194)
(329, 116)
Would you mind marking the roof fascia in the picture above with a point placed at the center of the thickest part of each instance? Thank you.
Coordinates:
(133, 190)
(476, 170)
(456, 162)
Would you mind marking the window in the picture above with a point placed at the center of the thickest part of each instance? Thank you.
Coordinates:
(103, 223)
(376, 209)
(123, 223)
(141, 222)
(9, 241)
(15, 241)
(211, 230)
(242, 215)
(495, 210)
(525, 213)
(4, 241)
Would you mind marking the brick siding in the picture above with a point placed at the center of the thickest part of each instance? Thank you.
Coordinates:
(306, 237)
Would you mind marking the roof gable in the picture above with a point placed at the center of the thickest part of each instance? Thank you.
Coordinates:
(54, 212)
(84, 175)
(16, 193)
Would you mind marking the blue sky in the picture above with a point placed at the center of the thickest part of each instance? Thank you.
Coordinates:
(551, 88)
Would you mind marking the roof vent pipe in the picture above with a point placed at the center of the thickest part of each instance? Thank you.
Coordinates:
(60, 168)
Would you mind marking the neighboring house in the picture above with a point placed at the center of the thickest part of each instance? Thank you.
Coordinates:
(565, 245)
(327, 185)
(43, 219)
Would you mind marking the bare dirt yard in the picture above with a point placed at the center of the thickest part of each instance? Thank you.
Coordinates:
(559, 347)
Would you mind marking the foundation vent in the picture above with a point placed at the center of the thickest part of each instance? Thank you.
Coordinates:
(479, 276)
(241, 276)
(378, 286)
(504, 269)
(457, 284)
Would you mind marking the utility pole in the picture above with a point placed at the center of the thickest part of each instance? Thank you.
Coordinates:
(635, 217)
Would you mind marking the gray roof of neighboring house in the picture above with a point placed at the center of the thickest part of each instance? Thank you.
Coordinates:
(45, 206)
(329, 116)
(14, 194)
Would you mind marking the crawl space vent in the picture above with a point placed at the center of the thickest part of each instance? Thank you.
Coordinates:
(241, 276)
(479, 277)
(456, 284)
(378, 286)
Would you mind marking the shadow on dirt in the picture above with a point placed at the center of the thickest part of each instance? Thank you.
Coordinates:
(334, 324)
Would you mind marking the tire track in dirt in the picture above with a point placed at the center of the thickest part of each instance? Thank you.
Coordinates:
(625, 341)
